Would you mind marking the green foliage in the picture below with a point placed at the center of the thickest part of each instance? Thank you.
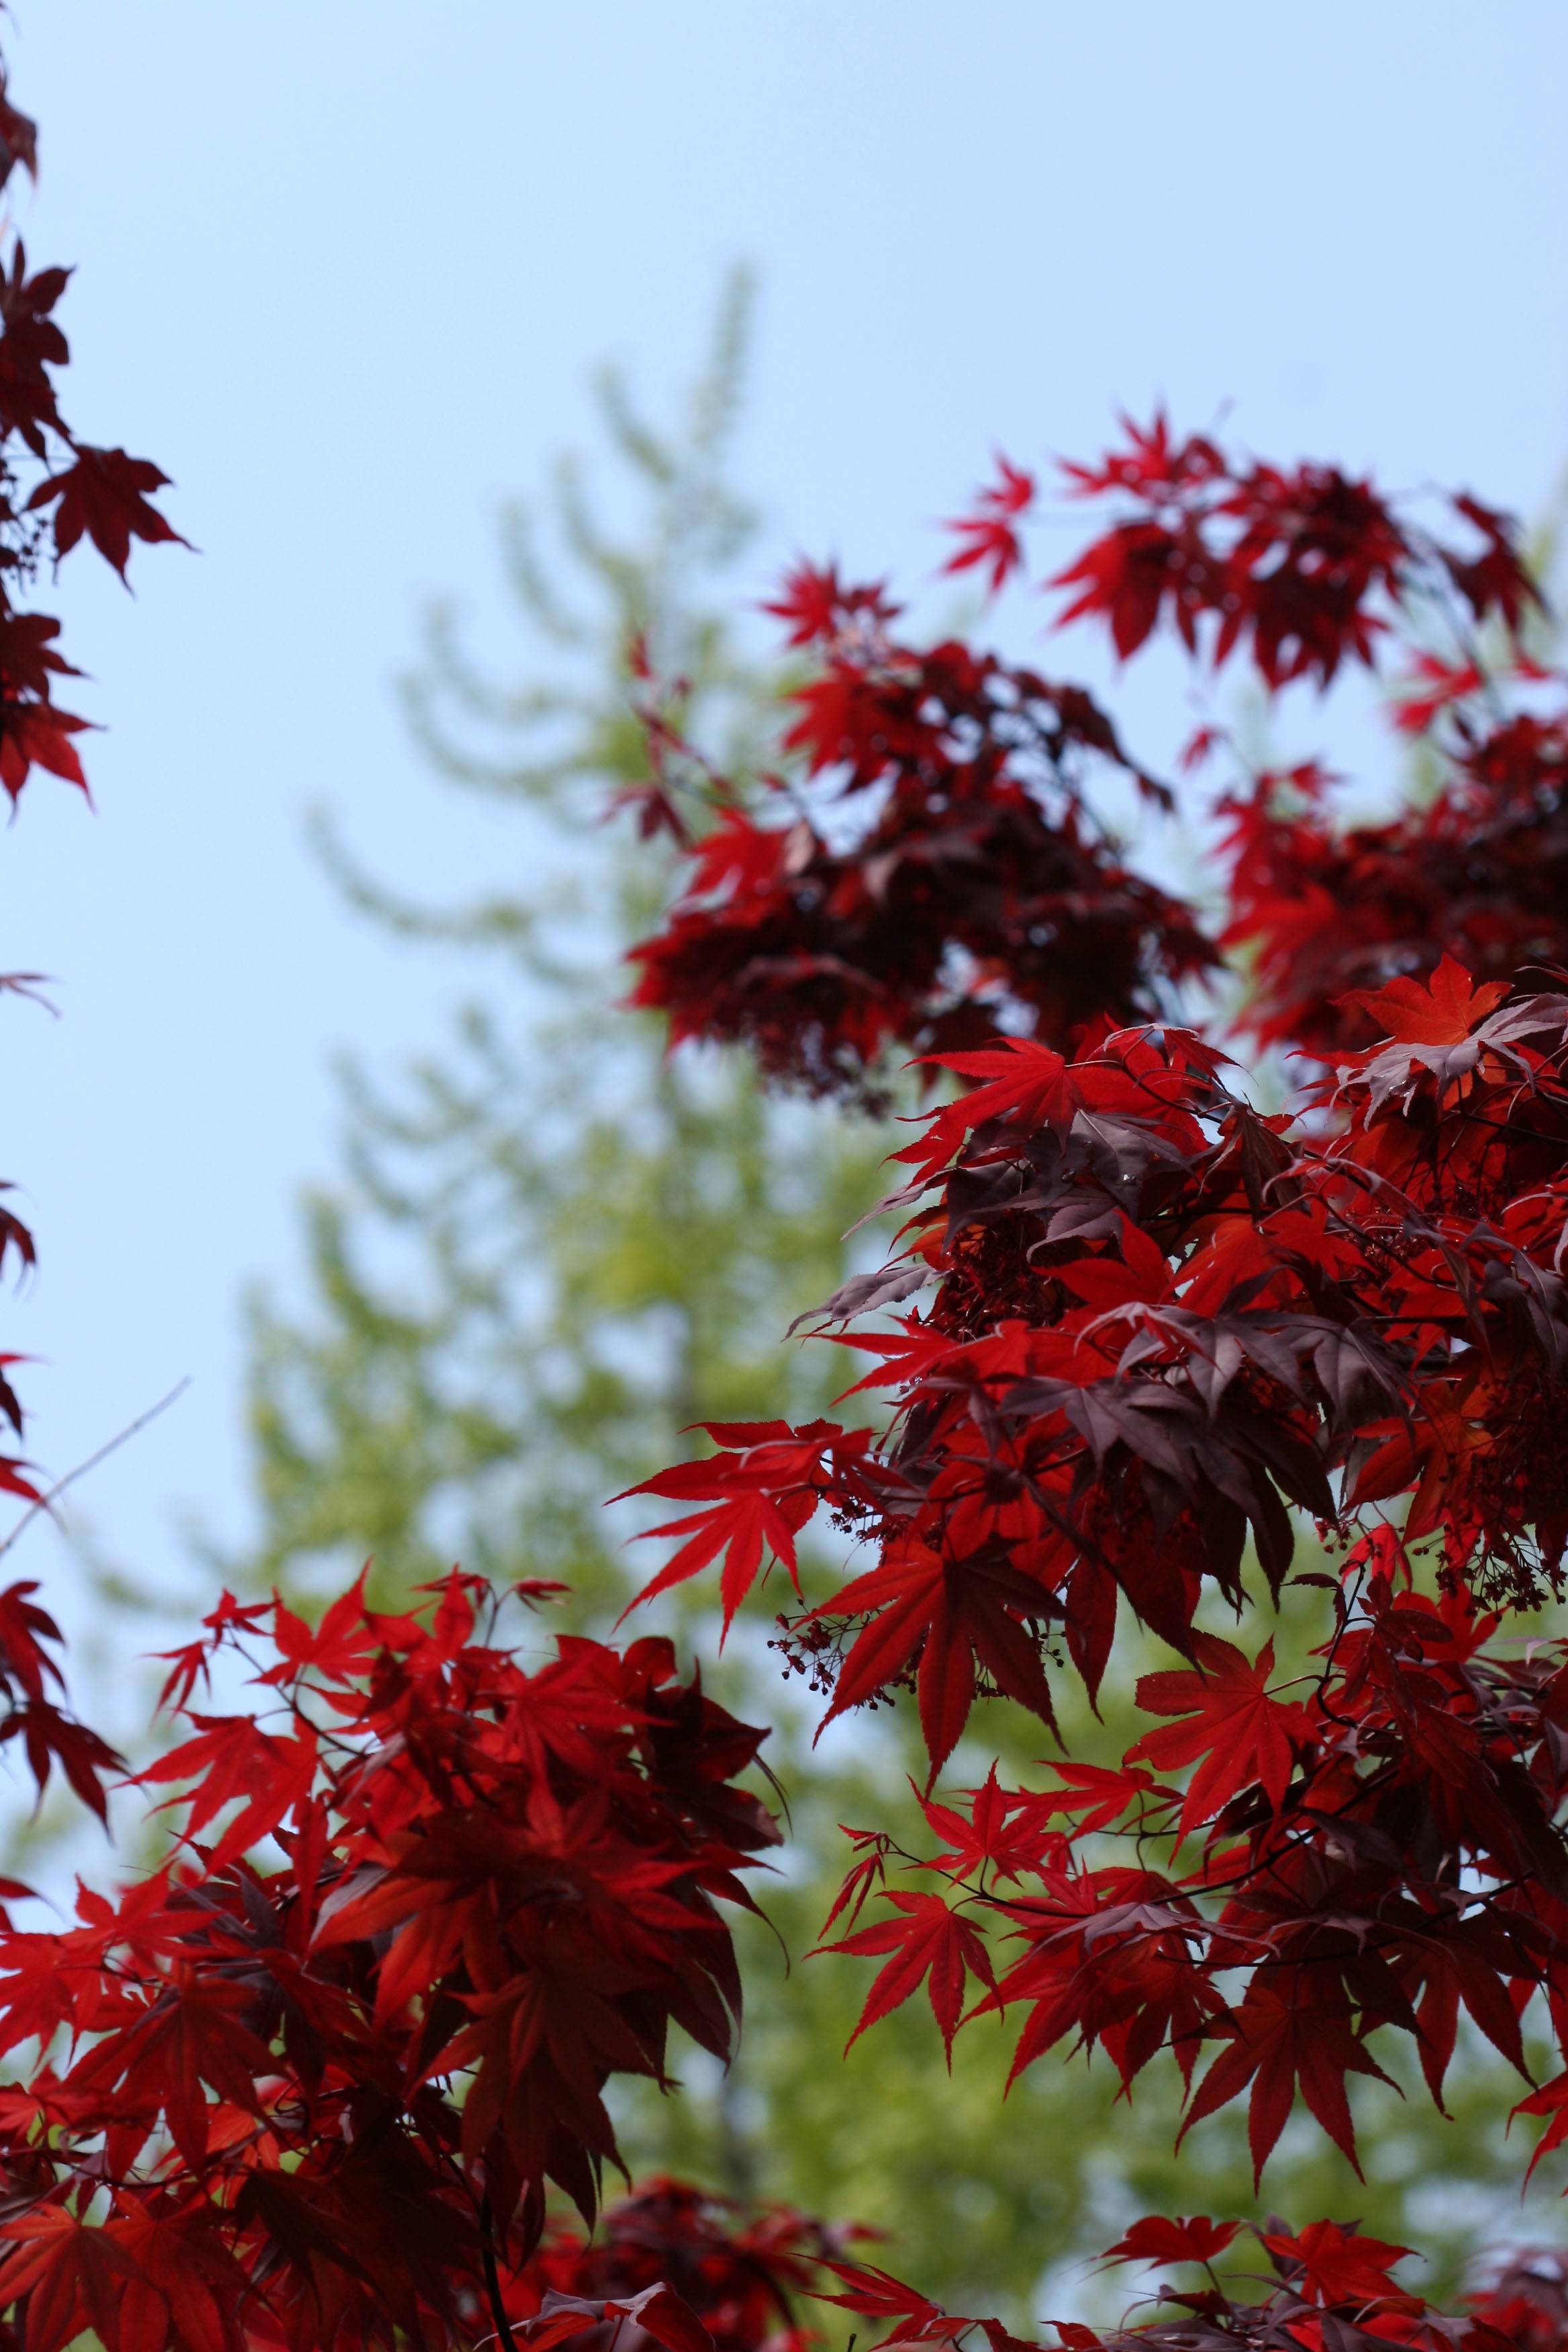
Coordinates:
(549, 1251)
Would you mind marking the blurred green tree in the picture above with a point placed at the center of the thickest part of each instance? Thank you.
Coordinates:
(553, 1249)
(549, 1251)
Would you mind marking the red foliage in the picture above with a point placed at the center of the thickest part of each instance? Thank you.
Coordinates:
(943, 874)
(1300, 567)
(988, 539)
(1481, 872)
(101, 494)
(46, 1734)
(1162, 1318)
(953, 882)
(1384, 1856)
(1305, 569)
(740, 2275)
(1162, 1327)
(1328, 2288)
(1160, 1322)
(320, 2065)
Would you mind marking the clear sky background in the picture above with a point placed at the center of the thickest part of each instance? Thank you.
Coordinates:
(344, 267)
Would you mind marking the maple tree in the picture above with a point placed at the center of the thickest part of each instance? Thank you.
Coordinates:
(1162, 1321)
(55, 491)
(1165, 1328)
(309, 2079)
(318, 2102)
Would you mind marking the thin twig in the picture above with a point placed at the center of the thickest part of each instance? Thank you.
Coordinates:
(47, 1502)
(492, 2275)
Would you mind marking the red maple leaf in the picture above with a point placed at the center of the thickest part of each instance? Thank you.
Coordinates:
(75, 2274)
(192, 2034)
(1158, 2238)
(1338, 2265)
(928, 1940)
(103, 494)
(1441, 1011)
(1277, 2042)
(989, 536)
(965, 1613)
(1237, 1733)
(231, 1759)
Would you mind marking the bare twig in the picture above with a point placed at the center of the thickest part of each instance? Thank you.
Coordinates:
(47, 1502)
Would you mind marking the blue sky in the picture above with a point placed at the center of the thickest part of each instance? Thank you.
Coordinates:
(345, 268)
